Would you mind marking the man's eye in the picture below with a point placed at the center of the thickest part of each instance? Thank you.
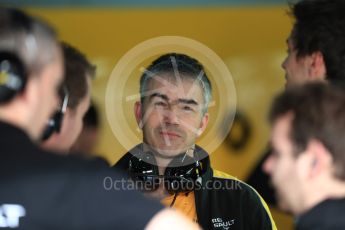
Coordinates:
(187, 108)
(160, 104)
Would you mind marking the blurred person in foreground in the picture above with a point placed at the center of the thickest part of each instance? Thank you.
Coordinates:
(316, 47)
(307, 163)
(40, 190)
(89, 136)
(65, 125)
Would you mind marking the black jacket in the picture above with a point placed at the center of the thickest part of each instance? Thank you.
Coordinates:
(47, 191)
(328, 215)
(230, 204)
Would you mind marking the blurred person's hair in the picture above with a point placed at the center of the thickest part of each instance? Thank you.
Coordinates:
(320, 26)
(318, 113)
(77, 72)
(30, 39)
(187, 67)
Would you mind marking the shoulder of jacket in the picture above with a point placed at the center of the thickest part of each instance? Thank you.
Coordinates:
(222, 175)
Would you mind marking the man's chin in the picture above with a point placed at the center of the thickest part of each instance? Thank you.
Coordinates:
(169, 152)
(288, 84)
(283, 204)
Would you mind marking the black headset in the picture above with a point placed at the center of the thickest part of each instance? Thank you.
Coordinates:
(183, 173)
(54, 123)
(13, 76)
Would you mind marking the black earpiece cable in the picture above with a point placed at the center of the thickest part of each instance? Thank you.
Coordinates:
(173, 202)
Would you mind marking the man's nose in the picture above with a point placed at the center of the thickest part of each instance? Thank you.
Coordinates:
(171, 116)
(283, 65)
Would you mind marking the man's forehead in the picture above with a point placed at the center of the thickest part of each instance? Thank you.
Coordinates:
(291, 37)
(290, 43)
(174, 86)
(171, 79)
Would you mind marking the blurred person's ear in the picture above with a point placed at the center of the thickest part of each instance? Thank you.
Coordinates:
(316, 66)
(320, 160)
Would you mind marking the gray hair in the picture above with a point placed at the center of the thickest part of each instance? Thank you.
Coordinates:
(32, 40)
(187, 67)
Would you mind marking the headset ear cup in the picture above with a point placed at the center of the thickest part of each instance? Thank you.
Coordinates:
(12, 76)
(143, 168)
(48, 131)
(54, 125)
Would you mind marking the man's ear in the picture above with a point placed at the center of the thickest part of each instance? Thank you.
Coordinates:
(138, 113)
(320, 158)
(317, 67)
(203, 124)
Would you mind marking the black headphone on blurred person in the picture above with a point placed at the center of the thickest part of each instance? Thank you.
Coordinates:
(13, 76)
(183, 173)
(13, 72)
(54, 123)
